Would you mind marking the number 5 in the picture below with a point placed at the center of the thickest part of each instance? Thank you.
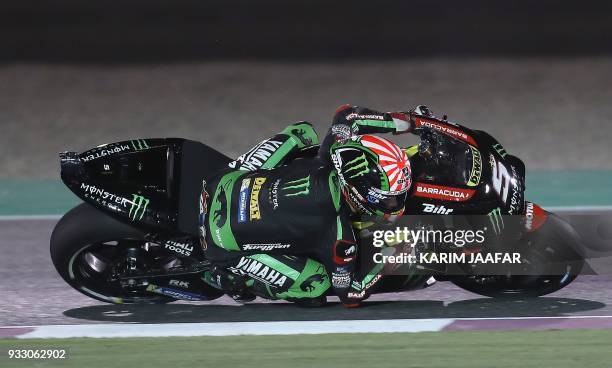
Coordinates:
(501, 180)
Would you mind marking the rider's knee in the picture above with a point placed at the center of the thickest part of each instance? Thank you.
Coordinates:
(312, 283)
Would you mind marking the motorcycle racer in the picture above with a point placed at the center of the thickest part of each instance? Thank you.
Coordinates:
(279, 231)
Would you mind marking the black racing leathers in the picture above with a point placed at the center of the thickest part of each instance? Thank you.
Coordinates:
(262, 205)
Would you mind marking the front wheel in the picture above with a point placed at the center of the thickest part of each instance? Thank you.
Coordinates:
(554, 259)
(89, 248)
(513, 286)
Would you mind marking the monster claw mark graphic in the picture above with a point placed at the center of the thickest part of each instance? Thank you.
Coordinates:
(139, 206)
(357, 166)
(496, 220)
(297, 187)
(499, 149)
(139, 144)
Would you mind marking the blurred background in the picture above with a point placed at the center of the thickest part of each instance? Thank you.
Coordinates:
(75, 74)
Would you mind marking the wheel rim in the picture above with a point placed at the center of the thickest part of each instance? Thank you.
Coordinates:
(92, 267)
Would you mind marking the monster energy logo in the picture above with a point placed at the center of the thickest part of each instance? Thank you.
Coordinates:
(357, 166)
(139, 144)
(139, 206)
(499, 149)
(300, 186)
(496, 220)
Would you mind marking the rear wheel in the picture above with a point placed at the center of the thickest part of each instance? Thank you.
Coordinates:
(90, 249)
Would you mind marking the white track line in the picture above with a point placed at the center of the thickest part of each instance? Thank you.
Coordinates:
(531, 317)
(255, 328)
(557, 209)
(234, 328)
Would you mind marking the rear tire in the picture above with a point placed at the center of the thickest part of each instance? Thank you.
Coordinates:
(81, 229)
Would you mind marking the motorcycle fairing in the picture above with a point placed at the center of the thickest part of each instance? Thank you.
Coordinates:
(154, 183)
(466, 172)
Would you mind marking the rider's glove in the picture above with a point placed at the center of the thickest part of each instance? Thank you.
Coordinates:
(402, 122)
(422, 110)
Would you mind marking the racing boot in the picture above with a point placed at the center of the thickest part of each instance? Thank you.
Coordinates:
(319, 301)
(230, 283)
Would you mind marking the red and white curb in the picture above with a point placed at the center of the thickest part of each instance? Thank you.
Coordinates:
(305, 327)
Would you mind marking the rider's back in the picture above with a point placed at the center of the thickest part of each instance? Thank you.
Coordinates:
(282, 209)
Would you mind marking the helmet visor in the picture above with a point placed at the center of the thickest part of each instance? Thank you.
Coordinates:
(389, 204)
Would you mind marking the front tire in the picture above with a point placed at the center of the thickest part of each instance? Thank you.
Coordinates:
(554, 251)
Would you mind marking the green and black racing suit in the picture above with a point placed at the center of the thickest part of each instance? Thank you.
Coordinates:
(286, 229)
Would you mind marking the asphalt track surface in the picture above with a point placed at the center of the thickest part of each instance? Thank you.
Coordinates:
(553, 113)
(34, 294)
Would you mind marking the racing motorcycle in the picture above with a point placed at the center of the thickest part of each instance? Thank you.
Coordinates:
(135, 237)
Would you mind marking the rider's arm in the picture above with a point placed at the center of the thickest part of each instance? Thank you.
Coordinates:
(342, 267)
(422, 120)
(354, 120)
(271, 152)
(340, 250)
